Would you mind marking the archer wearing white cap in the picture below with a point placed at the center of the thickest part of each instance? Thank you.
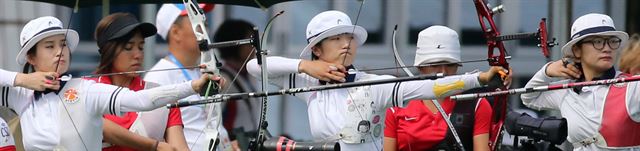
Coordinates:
(203, 121)
(599, 117)
(352, 116)
(70, 118)
(419, 126)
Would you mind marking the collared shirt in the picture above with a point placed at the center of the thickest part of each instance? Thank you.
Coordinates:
(327, 109)
(582, 110)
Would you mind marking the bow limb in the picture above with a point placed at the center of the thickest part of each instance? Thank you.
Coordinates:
(491, 32)
(208, 59)
(396, 55)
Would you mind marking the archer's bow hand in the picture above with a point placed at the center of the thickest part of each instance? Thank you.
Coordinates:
(200, 85)
(496, 76)
(322, 70)
(38, 81)
(563, 69)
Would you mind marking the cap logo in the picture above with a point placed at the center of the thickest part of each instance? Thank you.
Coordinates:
(604, 22)
(440, 47)
(50, 23)
(339, 21)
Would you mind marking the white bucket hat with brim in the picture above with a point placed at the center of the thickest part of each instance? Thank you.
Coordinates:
(589, 25)
(331, 23)
(40, 28)
(437, 44)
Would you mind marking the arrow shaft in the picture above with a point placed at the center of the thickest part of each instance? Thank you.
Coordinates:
(138, 72)
(545, 88)
(234, 96)
(431, 64)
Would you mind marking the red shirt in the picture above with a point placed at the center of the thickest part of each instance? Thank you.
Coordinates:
(417, 128)
(127, 119)
(8, 148)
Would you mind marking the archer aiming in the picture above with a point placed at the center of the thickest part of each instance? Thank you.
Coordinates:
(352, 116)
(70, 118)
(599, 117)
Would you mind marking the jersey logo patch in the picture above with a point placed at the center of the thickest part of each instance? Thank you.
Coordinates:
(71, 95)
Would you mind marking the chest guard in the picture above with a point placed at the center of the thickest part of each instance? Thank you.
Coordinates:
(618, 130)
(363, 122)
(77, 127)
(463, 120)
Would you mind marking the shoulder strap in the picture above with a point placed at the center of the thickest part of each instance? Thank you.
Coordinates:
(463, 120)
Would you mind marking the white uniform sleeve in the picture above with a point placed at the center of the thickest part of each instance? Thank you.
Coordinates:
(11, 96)
(109, 99)
(8, 78)
(277, 68)
(15, 98)
(544, 100)
(395, 94)
(283, 72)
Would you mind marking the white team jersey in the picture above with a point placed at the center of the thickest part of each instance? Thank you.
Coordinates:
(193, 117)
(328, 108)
(583, 111)
(6, 138)
(72, 119)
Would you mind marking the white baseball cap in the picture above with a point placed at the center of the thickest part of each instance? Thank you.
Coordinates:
(592, 24)
(331, 23)
(40, 28)
(168, 14)
(436, 44)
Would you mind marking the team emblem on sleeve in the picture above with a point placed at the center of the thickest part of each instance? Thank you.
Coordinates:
(71, 95)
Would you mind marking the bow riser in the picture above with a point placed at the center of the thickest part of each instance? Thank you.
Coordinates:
(491, 32)
(198, 19)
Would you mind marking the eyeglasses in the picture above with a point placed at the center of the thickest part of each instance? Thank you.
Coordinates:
(598, 43)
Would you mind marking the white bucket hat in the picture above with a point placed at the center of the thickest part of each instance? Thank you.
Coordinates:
(592, 24)
(40, 28)
(168, 13)
(331, 23)
(436, 44)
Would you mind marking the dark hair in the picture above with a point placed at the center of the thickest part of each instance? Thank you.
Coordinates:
(313, 56)
(108, 51)
(28, 68)
(232, 29)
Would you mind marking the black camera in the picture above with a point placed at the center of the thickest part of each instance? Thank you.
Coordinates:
(549, 129)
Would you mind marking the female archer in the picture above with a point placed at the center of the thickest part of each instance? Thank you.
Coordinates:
(602, 117)
(70, 118)
(352, 116)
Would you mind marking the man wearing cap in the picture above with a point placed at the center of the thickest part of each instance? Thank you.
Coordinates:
(420, 126)
(352, 116)
(602, 117)
(200, 122)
